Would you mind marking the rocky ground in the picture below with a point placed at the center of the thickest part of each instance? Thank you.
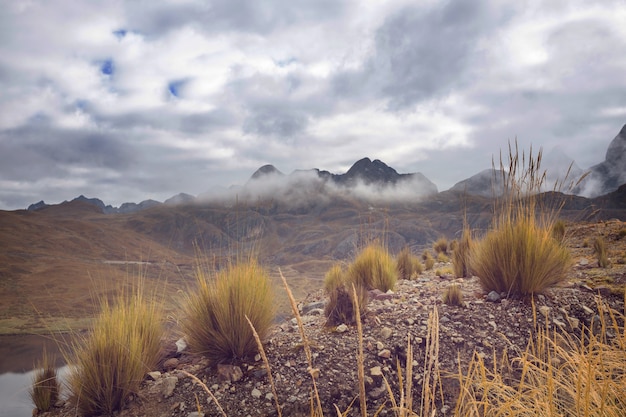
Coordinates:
(484, 324)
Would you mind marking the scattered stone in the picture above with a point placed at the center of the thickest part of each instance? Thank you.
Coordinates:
(154, 375)
(257, 357)
(573, 322)
(380, 346)
(196, 414)
(583, 262)
(318, 305)
(386, 332)
(376, 393)
(385, 354)
(544, 310)
(181, 345)
(342, 328)
(377, 294)
(168, 385)
(230, 373)
(269, 396)
(256, 393)
(559, 323)
(493, 297)
(376, 371)
(170, 364)
(588, 310)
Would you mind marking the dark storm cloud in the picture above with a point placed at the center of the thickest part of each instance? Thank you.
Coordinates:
(422, 52)
(39, 150)
(154, 19)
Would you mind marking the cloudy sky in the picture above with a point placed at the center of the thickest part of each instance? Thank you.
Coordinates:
(130, 100)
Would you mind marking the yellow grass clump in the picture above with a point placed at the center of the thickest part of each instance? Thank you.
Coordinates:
(461, 254)
(214, 321)
(108, 363)
(520, 255)
(340, 307)
(441, 245)
(599, 248)
(407, 264)
(453, 295)
(374, 267)
(44, 390)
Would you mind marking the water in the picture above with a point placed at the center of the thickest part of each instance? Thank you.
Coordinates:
(18, 354)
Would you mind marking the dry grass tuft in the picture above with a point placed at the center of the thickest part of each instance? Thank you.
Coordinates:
(340, 307)
(461, 255)
(215, 312)
(407, 264)
(599, 248)
(108, 363)
(453, 295)
(44, 390)
(441, 245)
(373, 268)
(520, 255)
(558, 230)
(334, 278)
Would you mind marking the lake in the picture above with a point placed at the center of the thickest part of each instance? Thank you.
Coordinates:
(18, 354)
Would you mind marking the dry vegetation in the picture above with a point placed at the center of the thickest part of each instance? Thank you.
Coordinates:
(108, 364)
(227, 317)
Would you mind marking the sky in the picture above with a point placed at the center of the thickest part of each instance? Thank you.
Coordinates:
(135, 100)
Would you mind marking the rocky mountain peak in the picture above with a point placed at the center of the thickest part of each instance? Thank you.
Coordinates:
(372, 172)
(266, 170)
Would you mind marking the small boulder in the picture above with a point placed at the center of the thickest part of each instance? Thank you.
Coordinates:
(230, 373)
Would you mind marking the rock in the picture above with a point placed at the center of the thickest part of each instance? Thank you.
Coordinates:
(315, 312)
(385, 354)
(386, 332)
(181, 345)
(170, 364)
(319, 305)
(256, 393)
(573, 322)
(583, 262)
(376, 371)
(269, 396)
(588, 310)
(559, 323)
(376, 393)
(377, 294)
(196, 414)
(168, 385)
(544, 310)
(154, 375)
(342, 328)
(493, 296)
(230, 373)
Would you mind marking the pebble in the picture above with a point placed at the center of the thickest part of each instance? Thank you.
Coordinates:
(256, 393)
(385, 354)
(342, 328)
(376, 371)
(544, 310)
(154, 375)
(169, 384)
(493, 296)
(386, 332)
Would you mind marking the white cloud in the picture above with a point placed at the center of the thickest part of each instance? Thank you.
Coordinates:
(302, 85)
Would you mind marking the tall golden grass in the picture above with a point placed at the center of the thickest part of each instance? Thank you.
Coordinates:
(407, 264)
(214, 317)
(599, 248)
(461, 254)
(559, 375)
(520, 254)
(45, 387)
(107, 364)
(374, 267)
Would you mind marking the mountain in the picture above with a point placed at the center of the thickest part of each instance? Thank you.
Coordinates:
(266, 170)
(180, 198)
(608, 175)
(486, 183)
